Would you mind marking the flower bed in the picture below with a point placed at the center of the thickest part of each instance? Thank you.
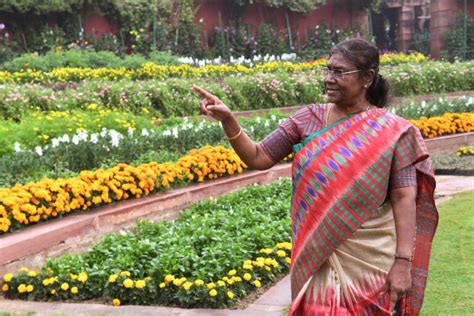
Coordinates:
(414, 110)
(240, 91)
(215, 253)
(465, 151)
(68, 154)
(449, 123)
(154, 71)
(33, 202)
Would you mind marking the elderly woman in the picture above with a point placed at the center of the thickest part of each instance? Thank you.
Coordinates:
(363, 212)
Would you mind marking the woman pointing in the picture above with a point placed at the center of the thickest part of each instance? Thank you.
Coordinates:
(363, 212)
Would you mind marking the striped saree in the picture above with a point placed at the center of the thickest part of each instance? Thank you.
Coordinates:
(343, 231)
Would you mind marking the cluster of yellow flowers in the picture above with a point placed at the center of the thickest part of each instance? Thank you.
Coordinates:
(154, 71)
(28, 279)
(233, 277)
(449, 123)
(32, 202)
(399, 58)
(56, 286)
(465, 151)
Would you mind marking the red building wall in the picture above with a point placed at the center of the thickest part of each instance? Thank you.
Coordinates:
(95, 23)
(335, 13)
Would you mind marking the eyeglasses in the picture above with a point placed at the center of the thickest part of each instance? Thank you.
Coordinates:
(337, 73)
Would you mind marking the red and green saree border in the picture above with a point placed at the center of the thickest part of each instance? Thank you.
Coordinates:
(341, 177)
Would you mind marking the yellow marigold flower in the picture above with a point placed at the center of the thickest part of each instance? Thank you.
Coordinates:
(257, 283)
(281, 253)
(8, 277)
(140, 284)
(21, 288)
(187, 285)
(64, 286)
(268, 261)
(74, 290)
(162, 285)
(5, 287)
(82, 277)
(248, 266)
(237, 279)
(259, 263)
(73, 277)
(113, 278)
(53, 291)
(220, 283)
(32, 274)
(225, 278)
(288, 260)
(116, 302)
(92, 106)
(23, 269)
(125, 273)
(230, 294)
(128, 283)
(247, 276)
(212, 293)
(46, 282)
(232, 272)
(198, 282)
(148, 278)
(169, 278)
(211, 285)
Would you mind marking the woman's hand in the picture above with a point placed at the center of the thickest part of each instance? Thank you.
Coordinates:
(212, 105)
(398, 281)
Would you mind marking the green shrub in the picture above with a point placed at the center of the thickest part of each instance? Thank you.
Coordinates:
(85, 58)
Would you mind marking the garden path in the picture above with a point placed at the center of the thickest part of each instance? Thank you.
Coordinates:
(272, 302)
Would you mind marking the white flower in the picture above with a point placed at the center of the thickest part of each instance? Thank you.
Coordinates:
(130, 131)
(39, 151)
(115, 138)
(55, 142)
(175, 132)
(83, 135)
(267, 123)
(94, 138)
(17, 147)
(65, 138)
(75, 139)
(273, 117)
(145, 132)
(103, 132)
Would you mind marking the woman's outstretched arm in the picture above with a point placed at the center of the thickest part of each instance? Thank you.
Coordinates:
(244, 146)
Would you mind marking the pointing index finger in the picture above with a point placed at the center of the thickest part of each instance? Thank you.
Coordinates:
(204, 92)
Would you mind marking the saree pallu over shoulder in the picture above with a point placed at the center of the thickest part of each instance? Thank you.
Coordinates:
(340, 180)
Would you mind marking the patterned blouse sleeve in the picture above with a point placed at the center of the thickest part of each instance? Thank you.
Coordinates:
(279, 143)
(402, 178)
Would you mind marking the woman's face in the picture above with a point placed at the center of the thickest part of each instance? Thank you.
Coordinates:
(344, 89)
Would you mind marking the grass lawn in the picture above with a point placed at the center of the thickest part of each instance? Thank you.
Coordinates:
(450, 289)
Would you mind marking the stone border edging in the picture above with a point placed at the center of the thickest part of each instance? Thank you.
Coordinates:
(449, 143)
(30, 241)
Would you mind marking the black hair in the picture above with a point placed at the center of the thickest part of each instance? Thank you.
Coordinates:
(365, 57)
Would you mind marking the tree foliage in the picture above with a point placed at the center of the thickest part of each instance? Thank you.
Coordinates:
(305, 6)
